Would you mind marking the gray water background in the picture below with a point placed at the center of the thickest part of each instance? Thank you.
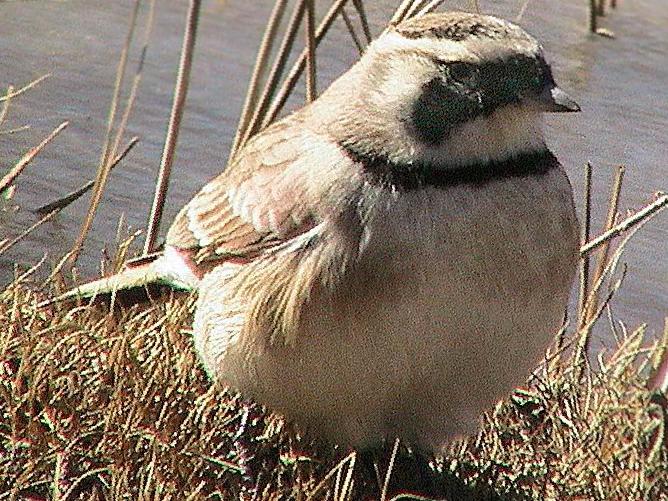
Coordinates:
(621, 85)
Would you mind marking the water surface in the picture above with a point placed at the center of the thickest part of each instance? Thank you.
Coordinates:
(619, 83)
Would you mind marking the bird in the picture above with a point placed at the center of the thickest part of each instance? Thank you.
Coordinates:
(394, 257)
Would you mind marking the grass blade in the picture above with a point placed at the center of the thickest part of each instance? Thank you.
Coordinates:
(641, 216)
(13, 93)
(259, 70)
(16, 171)
(63, 202)
(103, 169)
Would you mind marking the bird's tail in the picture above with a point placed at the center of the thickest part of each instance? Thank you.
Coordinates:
(170, 268)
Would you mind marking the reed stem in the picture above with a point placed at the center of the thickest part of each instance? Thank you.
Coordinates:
(593, 13)
(103, 168)
(584, 260)
(178, 105)
(259, 71)
(297, 69)
(260, 112)
(311, 91)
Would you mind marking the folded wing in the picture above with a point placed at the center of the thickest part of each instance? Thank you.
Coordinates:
(275, 189)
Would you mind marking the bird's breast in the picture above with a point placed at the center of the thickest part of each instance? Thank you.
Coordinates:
(507, 233)
(456, 295)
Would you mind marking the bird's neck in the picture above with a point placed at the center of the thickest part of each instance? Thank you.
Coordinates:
(508, 132)
(380, 170)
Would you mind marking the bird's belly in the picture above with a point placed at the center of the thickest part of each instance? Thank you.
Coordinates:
(422, 363)
(444, 314)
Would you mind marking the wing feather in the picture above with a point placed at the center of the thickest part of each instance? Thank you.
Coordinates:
(271, 192)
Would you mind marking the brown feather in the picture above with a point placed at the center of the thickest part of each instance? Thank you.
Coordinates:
(273, 191)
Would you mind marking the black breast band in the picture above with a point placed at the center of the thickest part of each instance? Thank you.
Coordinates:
(405, 177)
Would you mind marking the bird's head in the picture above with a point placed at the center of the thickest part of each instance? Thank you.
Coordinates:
(454, 88)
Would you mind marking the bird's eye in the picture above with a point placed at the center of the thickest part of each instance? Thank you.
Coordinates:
(462, 72)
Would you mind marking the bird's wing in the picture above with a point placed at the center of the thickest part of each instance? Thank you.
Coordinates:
(271, 192)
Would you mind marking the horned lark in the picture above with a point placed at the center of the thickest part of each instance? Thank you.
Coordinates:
(395, 256)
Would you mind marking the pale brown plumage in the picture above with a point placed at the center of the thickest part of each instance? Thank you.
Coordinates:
(393, 257)
(256, 203)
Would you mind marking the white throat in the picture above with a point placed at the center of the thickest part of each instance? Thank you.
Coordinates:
(509, 131)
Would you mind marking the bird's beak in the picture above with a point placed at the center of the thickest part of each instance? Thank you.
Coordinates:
(554, 100)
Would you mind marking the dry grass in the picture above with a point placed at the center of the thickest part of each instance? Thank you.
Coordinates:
(114, 405)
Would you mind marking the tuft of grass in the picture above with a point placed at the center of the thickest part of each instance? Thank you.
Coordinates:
(601, 436)
(100, 404)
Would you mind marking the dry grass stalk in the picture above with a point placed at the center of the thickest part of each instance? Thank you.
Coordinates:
(401, 11)
(311, 91)
(361, 12)
(103, 167)
(297, 69)
(592, 308)
(390, 467)
(178, 105)
(14, 130)
(5, 107)
(9, 178)
(659, 379)
(600, 9)
(259, 70)
(351, 31)
(596, 10)
(639, 217)
(14, 93)
(588, 304)
(415, 8)
(586, 230)
(266, 112)
(430, 7)
(522, 10)
(129, 105)
(7, 244)
(603, 252)
(341, 488)
(593, 15)
(281, 59)
(63, 202)
(111, 405)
